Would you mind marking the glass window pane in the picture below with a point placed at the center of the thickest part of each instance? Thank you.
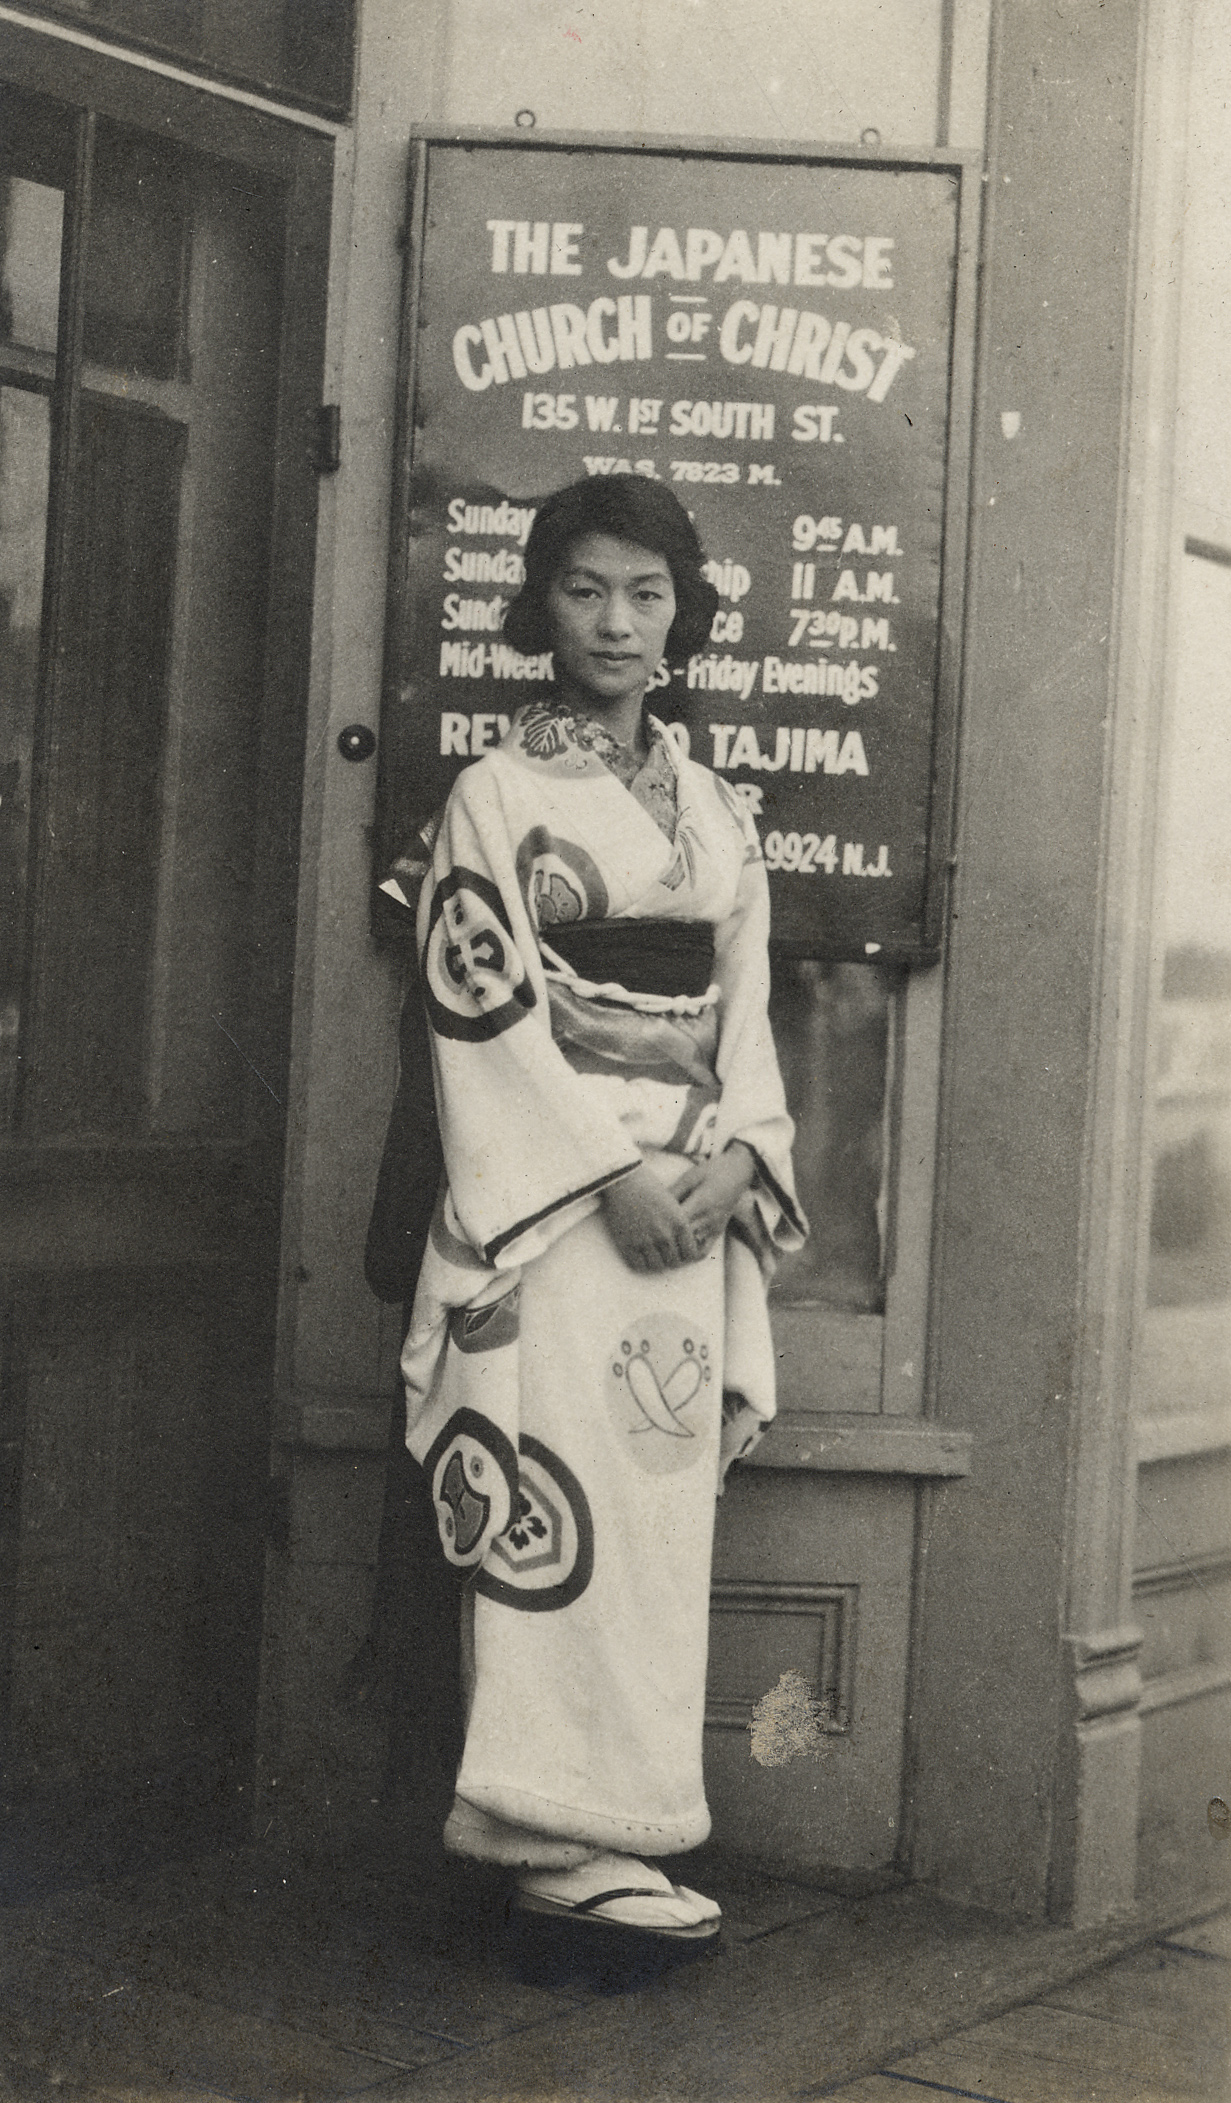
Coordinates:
(1190, 1238)
(831, 1027)
(150, 823)
(136, 257)
(98, 816)
(25, 437)
(299, 49)
(31, 224)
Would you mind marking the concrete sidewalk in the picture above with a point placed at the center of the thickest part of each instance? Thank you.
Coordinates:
(248, 1977)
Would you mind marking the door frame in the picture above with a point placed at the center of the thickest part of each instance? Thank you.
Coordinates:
(131, 1200)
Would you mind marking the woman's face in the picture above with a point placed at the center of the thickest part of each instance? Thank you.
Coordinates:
(611, 606)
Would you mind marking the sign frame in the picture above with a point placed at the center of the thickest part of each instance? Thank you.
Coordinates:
(925, 948)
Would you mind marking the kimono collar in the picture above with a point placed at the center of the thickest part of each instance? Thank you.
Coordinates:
(563, 742)
(545, 729)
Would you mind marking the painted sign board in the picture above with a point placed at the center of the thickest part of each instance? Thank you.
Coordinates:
(775, 338)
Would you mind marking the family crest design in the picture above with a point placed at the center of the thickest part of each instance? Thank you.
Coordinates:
(544, 733)
(468, 1507)
(474, 981)
(544, 1559)
(658, 1371)
(488, 1327)
(559, 880)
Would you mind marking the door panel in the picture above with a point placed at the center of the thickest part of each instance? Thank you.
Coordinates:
(815, 1542)
(30, 276)
(152, 458)
(85, 1060)
(850, 1543)
(134, 1641)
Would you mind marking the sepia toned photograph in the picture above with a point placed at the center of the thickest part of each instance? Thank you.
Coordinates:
(615, 1051)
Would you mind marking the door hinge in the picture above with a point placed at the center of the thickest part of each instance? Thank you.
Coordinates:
(328, 455)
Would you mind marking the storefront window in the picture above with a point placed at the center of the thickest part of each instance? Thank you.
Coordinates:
(1190, 1224)
(31, 226)
(31, 222)
(832, 1029)
(24, 450)
(130, 769)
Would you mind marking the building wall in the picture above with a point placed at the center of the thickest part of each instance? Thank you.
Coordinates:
(912, 71)
(1024, 1704)
(714, 69)
(1182, 1368)
(335, 1354)
(1023, 967)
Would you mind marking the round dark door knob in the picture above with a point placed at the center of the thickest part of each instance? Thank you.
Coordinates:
(356, 741)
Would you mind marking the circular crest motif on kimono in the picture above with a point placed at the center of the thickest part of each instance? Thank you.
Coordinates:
(474, 981)
(559, 881)
(463, 1506)
(659, 1383)
(544, 1559)
(473, 1471)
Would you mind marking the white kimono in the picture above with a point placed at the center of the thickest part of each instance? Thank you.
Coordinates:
(574, 1417)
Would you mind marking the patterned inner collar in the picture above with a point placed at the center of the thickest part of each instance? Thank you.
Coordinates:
(651, 781)
(593, 736)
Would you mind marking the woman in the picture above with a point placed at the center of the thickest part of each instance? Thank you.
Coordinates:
(589, 1345)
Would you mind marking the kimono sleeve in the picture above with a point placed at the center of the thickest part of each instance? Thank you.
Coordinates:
(526, 1150)
(753, 1107)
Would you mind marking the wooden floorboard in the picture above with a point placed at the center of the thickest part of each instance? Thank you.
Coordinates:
(1152, 2028)
(882, 2088)
(231, 1984)
(1167, 1992)
(976, 2065)
(1212, 1938)
(785, 2018)
(170, 2044)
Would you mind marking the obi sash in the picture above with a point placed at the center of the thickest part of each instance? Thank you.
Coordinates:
(661, 957)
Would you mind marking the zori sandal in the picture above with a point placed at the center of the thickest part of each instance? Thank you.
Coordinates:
(617, 1891)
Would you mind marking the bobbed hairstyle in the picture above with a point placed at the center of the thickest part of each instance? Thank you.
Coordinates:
(628, 507)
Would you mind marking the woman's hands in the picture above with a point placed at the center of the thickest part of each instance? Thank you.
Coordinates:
(708, 1196)
(647, 1223)
(656, 1229)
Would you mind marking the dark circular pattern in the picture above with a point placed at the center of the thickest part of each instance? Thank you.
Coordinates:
(474, 982)
(549, 1598)
(445, 1477)
(488, 1328)
(571, 890)
(356, 742)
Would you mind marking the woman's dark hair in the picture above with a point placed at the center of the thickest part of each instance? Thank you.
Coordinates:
(628, 507)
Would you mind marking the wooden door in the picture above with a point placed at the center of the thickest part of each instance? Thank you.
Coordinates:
(159, 368)
(815, 1550)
